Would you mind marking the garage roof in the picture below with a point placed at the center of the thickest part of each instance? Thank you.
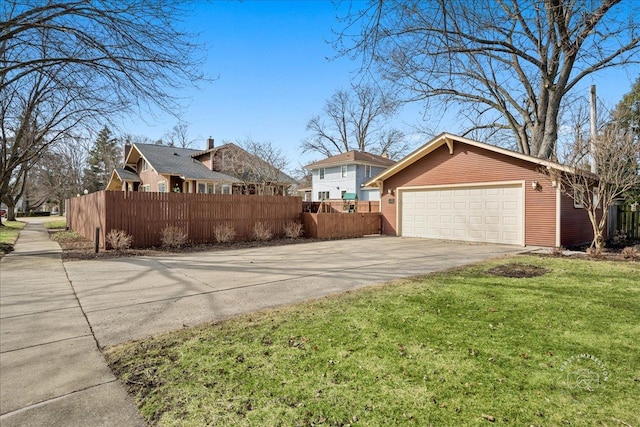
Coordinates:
(450, 140)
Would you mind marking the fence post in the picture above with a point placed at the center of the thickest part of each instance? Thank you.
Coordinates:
(96, 246)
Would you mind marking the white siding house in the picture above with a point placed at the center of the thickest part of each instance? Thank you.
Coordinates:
(346, 173)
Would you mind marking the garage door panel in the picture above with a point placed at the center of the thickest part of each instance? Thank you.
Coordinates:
(510, 220)
(492, 235)
(475, 220)
(492, 206)
(482, 214)
(492, 220)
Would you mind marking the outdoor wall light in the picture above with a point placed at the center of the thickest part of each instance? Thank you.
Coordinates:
(86, 191)
(535, 185)
(390, 191)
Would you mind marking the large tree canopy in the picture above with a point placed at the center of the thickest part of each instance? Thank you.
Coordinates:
(66, 66)
(356, 119)
(501, 64)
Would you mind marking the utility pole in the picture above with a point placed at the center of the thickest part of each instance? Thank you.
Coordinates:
(594, 130)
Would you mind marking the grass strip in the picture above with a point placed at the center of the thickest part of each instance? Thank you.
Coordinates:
(9, 234)
(56, 224)
(463, 347)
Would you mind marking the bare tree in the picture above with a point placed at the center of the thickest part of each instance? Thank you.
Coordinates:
(258, 165)
(617, 154)
(501, 65)
(66, 66)
(57, 175)
(178, 136)
(356, 120)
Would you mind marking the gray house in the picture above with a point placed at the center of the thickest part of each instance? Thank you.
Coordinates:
(344, 175)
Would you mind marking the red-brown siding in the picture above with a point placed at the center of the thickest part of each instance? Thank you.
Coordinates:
(575, 224)
(471, 165)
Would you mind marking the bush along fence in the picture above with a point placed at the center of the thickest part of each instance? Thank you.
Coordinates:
(145, 215)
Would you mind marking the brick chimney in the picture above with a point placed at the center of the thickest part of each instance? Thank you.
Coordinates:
(210, 143)
(127, 149)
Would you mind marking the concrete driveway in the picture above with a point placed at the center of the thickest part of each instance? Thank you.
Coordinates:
(133, 298)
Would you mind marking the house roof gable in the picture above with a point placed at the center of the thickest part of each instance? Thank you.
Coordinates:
(166, 160)
(126, 174)
(352, 157)
(451, 140)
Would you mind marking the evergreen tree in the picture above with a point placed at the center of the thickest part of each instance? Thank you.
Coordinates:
(104, 156)
(627, 112)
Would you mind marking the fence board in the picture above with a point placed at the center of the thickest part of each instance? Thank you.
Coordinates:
(343, 225)
(144, 215)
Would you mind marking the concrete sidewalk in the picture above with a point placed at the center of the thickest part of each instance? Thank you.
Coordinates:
(51, 370)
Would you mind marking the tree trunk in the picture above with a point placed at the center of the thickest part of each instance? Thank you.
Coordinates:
(11, 212)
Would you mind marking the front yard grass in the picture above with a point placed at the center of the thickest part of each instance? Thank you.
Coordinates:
(9, 234)
(56, 224)
(457, 348)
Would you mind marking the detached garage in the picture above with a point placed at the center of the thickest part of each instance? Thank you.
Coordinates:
(455, 188)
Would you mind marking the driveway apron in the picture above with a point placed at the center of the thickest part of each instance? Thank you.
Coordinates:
(51, 370)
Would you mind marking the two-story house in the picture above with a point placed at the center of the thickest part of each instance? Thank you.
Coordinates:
(345, 174)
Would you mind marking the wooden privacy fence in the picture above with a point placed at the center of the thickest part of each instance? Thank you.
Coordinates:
(628, 221)
(340, 225)
(339, 206)
(145, 215)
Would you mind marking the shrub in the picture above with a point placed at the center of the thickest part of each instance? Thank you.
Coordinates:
(119, 239)
(261, 231)
(619, 238)
(293, 230)
(173, 237)
(630, 252)
(224, 233)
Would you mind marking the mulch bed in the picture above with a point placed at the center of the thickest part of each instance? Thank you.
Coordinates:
(81, 249)
(518, 270)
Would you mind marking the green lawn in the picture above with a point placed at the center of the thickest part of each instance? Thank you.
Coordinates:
(9, 234)
(456, 348)
(56, 224)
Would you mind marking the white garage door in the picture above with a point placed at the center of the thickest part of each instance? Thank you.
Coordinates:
(477, 214)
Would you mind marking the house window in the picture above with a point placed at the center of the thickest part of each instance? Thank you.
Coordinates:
(323, 195)
(210, 188)
(202, 187)
(578, 198)
(226, 189)
(321, 173)
(145, 188)
(344, 171)
(162, 187)
(144, 165)
(367, 171)
(342, 193)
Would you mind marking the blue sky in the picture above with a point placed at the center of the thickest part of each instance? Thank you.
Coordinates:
(273, 74)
